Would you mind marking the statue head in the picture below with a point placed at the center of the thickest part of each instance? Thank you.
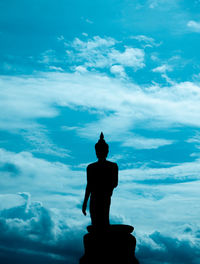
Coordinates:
(101, 148)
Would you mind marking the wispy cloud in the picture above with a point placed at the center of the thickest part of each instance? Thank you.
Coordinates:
(163, 68)
(148, 41)
(122, 104)
(194, 26)
(139, 142)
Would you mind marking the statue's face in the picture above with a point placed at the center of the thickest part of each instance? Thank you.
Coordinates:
(101, 154)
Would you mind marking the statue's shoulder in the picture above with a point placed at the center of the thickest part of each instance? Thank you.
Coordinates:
(111, 164)
(92, 165)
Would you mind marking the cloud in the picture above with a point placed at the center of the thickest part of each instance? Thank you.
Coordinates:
(48, 57)
(163, 68)
(95, 43)
(118, 70)
(121, 105)
(56, 68)
(143, 38)
(195, 138)
(39, 176)
(183, 172)
(101, 52)
(194, 26)
(41, 142)
(9, 168)
(131, 57)
(148, 41)
(161, 248)
(166, 4)
(146, 143)
(89, 21)
(81, 69)
(31, 231)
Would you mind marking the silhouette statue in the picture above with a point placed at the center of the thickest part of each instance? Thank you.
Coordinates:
(105, 243)
(102, 178)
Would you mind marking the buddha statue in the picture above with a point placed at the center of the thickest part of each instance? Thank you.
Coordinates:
(102, 178)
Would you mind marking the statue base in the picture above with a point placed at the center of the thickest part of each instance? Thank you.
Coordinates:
(112, 244)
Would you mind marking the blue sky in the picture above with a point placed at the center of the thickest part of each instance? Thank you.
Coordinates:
(71, 69)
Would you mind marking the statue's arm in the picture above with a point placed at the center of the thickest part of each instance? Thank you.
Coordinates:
(87, 194)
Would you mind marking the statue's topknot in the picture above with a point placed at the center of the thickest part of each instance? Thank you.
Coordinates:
(101, 138)
(101, 146)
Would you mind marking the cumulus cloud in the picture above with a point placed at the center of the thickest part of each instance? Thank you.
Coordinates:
(31, 231)
(160, 248)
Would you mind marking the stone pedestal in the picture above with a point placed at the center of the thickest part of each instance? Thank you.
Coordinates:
(113, 245)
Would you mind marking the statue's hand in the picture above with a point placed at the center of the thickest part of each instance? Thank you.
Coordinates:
(84, 208)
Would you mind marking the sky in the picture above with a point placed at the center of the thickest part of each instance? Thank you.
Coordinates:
(71, 69)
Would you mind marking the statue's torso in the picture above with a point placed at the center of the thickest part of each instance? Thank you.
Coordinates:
(102, 177)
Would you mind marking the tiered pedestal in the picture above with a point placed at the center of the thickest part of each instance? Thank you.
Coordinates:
(109, 245)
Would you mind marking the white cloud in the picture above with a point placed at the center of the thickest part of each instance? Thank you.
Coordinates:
(194, 26)
(148, 41)
(146, 143)
(131, 57)
(101, 52)
(85, 34)
(89, 21)
(160, 3)
(41, 143)
(10, 200)
(31, 230)
(184, 172)
(60, 38)
(95, 42)
(164, 248)
(163, 68)
(48, 57)
(56, 68)
(81, 69)
(195, 138)
(121, 103)
(144, 38)
(118, 70)
(39, 176)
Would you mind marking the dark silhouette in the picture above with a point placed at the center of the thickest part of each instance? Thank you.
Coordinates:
(105, 243)
(111, 245)
(102, 178)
